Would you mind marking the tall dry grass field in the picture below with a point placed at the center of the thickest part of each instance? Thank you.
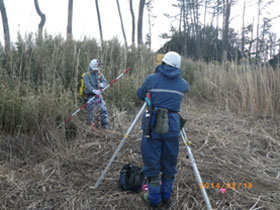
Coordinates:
(40, 80)
(243, 89)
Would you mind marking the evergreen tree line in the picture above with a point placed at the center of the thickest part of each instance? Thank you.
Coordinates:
(199, 39)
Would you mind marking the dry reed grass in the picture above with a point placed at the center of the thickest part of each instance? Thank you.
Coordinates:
(51, 70)
(46, 168)
(53, 172)
(245, 90)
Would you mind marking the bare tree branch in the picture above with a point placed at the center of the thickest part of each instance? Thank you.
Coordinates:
(123, 31)
(5, 25)
(99, 20)
(140, 22)
(70, 16)
(133, 21)
(43, 19)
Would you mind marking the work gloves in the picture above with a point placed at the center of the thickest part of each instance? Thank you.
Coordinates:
(97, 93)
(101, 85)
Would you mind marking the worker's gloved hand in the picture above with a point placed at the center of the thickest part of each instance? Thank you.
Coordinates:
(148, 101)
(96, 92)
(102, 85)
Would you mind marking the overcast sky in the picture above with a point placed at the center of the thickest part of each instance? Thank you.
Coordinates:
(22, 17)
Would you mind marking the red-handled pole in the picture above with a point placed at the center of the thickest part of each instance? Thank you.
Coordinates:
(116, 79)
(84, 105)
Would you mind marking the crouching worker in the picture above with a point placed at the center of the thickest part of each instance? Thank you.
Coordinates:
(94, 83)
(160, 146)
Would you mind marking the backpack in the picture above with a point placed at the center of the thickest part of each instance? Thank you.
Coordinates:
(82, 85)
(131, 178)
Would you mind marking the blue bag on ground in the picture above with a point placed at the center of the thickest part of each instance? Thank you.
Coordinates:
(131, 178)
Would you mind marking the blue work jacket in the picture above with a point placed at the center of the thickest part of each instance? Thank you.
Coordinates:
(91, 82)
(167, 89)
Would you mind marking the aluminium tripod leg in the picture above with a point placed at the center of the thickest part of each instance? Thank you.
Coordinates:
(119, 147)
(196, 172)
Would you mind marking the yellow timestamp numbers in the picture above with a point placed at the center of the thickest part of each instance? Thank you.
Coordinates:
(227, 185)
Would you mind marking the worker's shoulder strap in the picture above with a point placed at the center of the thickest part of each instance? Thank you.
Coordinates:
(83, 74)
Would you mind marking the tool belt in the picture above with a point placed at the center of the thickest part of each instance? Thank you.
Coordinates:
(157, 118)
(155, 109)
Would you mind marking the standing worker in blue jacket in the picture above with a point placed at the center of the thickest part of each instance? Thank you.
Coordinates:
(94, 83)
(160, 148)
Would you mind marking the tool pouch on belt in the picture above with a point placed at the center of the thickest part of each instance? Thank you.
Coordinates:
(161, 125)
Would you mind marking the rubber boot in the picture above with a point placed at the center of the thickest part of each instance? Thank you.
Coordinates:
(166, 188)
(154, 196)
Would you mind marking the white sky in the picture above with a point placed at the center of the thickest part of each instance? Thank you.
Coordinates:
(22, 17)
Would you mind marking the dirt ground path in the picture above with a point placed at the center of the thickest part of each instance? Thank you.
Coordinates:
(241, 155)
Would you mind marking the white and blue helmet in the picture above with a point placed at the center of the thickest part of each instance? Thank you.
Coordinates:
(94, 64)
(172, 59)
